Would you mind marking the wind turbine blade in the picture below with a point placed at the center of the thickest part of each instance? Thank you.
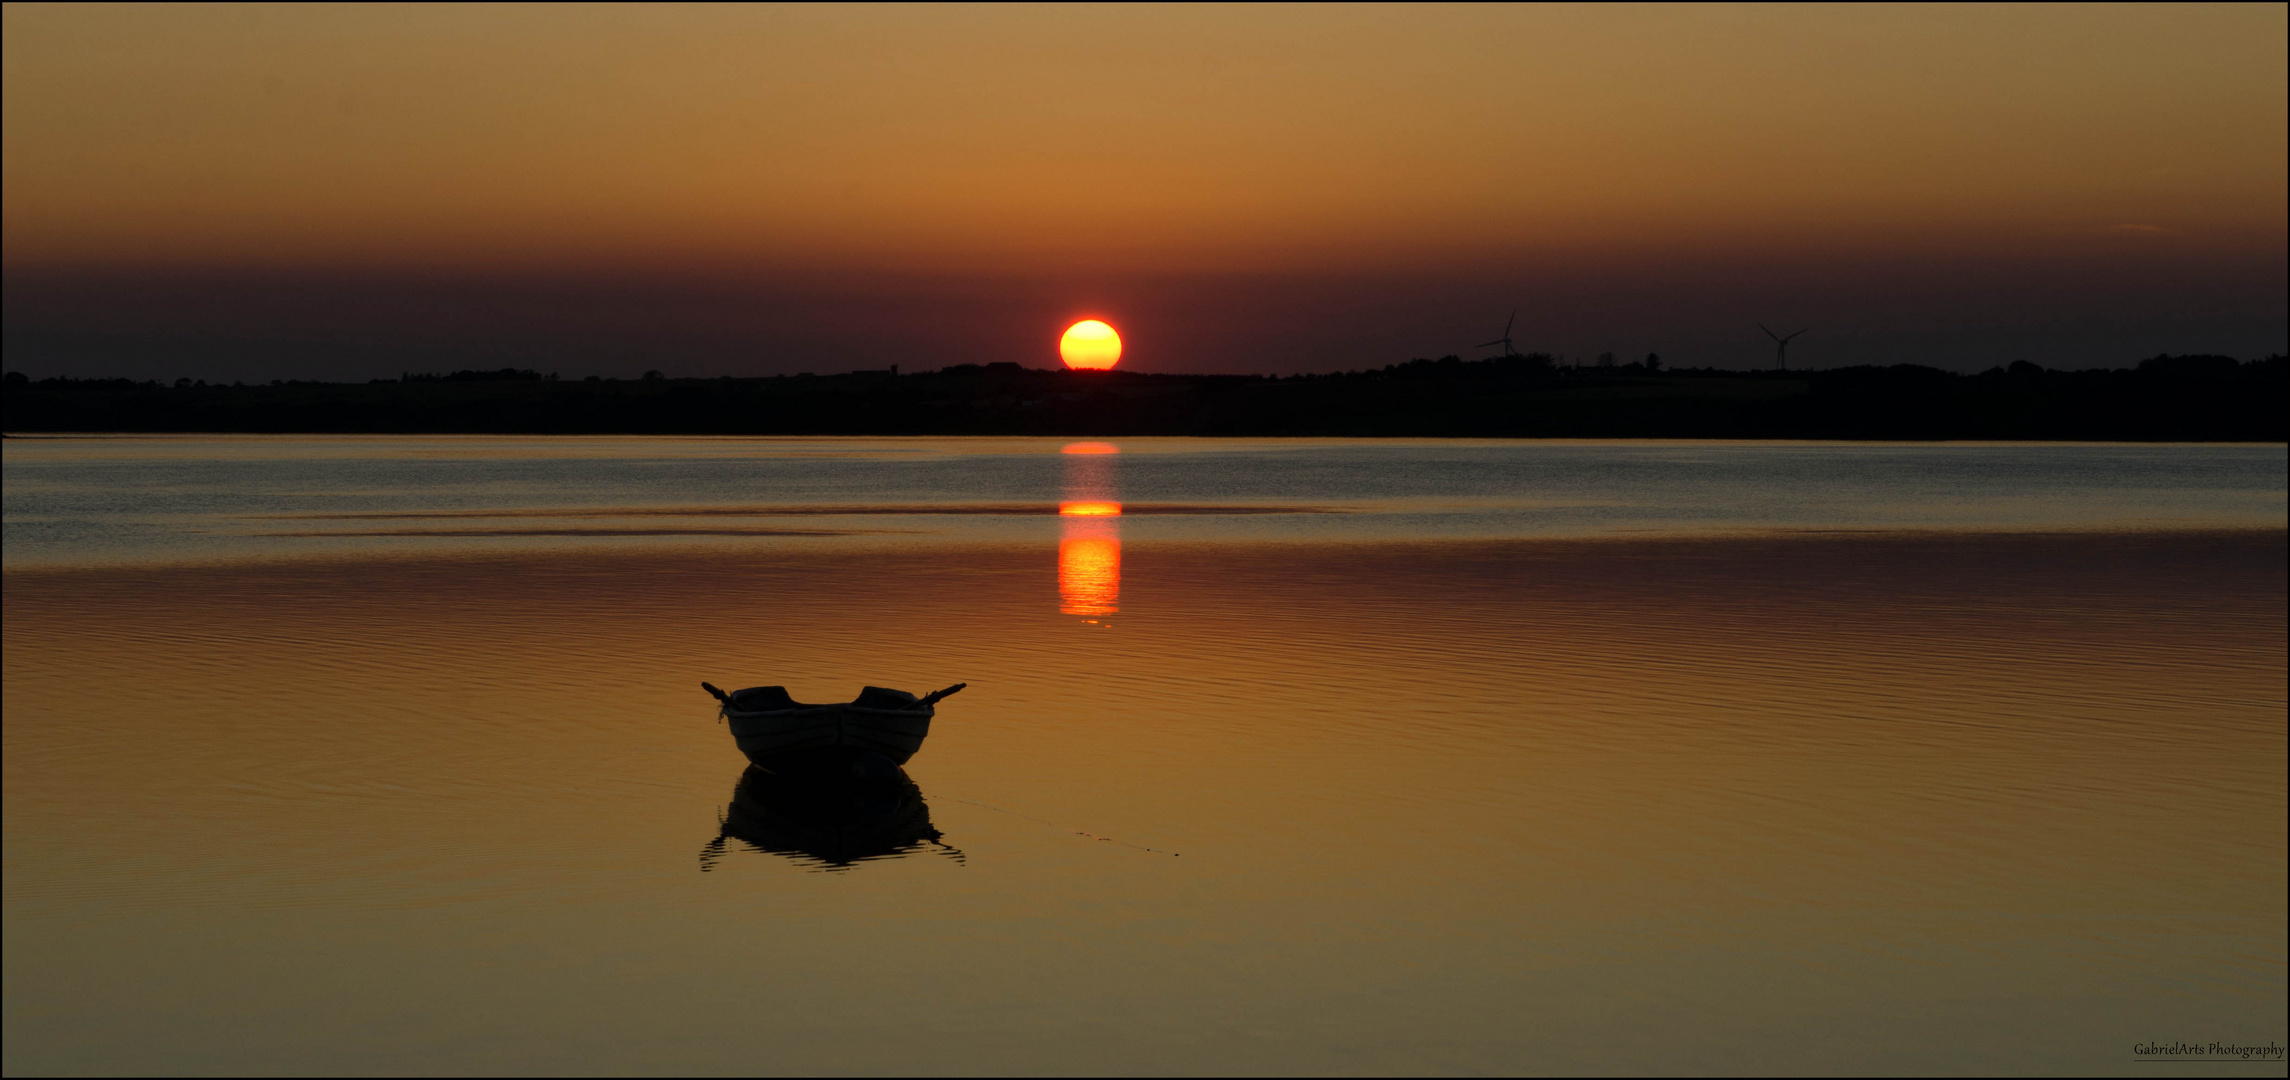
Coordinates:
(1497, 341)
(1800, 331)
(1507, 323)
(1769, 331)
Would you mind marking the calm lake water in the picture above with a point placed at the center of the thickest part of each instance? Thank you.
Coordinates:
(389, 755)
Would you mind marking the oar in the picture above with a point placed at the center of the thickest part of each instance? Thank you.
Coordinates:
(934, 696)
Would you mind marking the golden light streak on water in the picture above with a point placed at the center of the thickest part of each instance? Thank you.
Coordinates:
(1089, 543)
(1089, 575)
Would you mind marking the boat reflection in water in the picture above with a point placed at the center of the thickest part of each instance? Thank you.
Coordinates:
(1089, 544)
(827, 824)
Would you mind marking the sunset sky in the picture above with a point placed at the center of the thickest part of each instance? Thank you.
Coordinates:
(345, 192)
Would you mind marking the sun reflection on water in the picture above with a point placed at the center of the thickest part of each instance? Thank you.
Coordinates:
(1089, 575)
(1089, 547)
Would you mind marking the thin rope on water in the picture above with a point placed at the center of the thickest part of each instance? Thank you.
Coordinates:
(1076, 832)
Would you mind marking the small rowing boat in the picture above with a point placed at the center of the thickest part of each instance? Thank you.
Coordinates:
(871, 735)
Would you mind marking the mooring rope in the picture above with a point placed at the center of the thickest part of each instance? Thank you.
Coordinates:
(1076, 832)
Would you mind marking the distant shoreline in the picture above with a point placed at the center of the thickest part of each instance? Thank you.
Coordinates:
(2165, 399)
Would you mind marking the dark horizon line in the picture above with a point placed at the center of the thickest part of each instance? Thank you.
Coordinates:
(2203, 398)
(1542, 362)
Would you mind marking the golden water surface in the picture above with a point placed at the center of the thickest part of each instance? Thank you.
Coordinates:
(1948, 801)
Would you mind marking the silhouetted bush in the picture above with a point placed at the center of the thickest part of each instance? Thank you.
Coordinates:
(2189, 367)
(502, 375)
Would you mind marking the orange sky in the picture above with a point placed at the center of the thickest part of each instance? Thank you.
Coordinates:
(1085, 151)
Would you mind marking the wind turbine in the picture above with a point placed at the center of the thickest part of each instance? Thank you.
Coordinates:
(1780, 346)
(1505, 340)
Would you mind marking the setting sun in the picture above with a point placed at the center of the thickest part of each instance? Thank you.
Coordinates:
(1091, 345)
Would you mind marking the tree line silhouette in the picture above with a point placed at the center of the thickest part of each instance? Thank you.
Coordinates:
(1521, 394)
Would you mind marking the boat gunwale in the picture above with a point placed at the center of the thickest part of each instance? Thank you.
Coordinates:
(837, 709)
